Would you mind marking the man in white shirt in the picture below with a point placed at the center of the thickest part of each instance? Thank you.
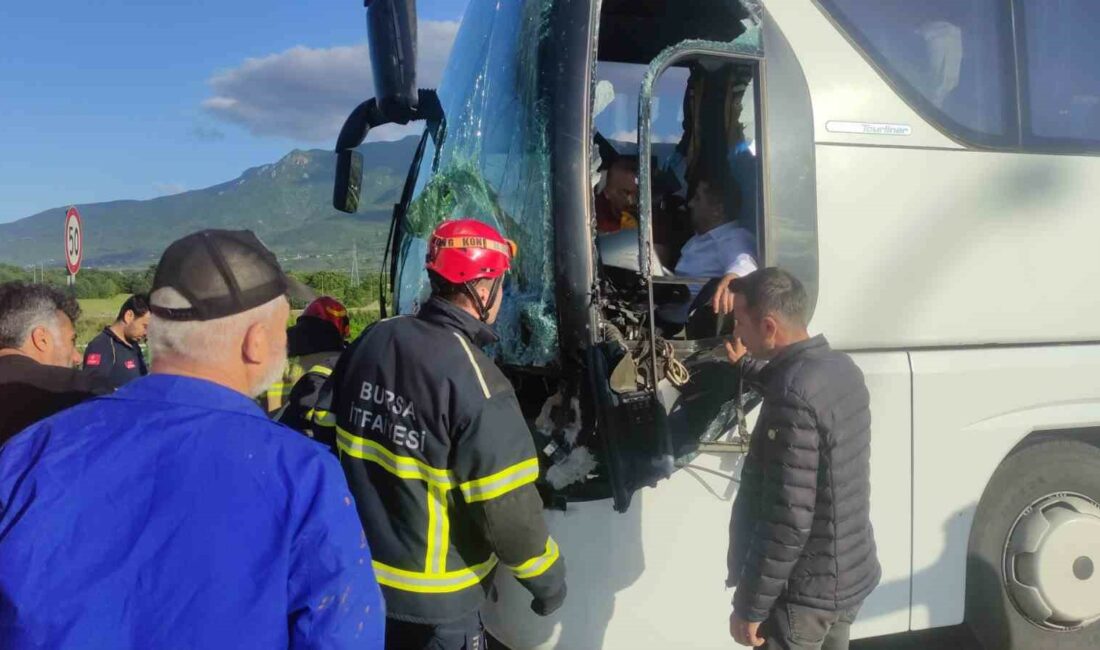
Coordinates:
(720, 248)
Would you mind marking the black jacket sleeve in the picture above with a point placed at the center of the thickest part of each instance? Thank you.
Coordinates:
(99, 360)
(786, 495)
(514, 526)
(751, 370)
(496, 466)
(748, 492)
(741, 521)
(299, 410)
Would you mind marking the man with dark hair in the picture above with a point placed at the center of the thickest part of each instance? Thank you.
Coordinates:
(438, 455)
(114, 355)
(802, 549)
(37, 353)
(720, 247)
(617, 200)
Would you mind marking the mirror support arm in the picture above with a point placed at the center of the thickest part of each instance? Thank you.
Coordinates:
(367, 116)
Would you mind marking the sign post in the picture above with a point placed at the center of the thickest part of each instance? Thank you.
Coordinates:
(74, 243)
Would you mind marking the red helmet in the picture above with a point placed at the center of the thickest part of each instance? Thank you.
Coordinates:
(466, 249)
(330, 310)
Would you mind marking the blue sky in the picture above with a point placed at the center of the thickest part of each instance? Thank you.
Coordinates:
(120, 99)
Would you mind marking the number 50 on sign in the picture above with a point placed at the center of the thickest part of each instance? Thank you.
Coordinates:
(74, 241)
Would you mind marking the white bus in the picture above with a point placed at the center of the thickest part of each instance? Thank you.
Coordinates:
(929, 169)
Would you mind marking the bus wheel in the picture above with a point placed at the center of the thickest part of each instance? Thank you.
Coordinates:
(1033, 565)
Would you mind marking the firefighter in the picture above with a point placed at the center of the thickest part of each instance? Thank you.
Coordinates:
(114, 355)
(313, 343)
(438, 454)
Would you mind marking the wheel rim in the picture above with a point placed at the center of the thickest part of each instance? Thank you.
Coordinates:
(1052, 562)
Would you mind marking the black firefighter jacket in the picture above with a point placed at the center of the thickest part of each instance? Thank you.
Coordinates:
(442, 466)
(801, 526)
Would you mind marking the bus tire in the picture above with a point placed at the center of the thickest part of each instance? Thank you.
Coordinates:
(1057, 480)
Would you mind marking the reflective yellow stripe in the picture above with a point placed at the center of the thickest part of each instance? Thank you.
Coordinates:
(399, 466)
(438, 530)
(502, 482)
(473, 361)
(424, 583)
(538, 565)
(321, 370)
(321, 417)
(445, 533)
(280, 388)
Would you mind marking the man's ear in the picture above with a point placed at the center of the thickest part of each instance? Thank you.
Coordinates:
(128, 316)
(769, 327)
(254, 348)
(41, 338)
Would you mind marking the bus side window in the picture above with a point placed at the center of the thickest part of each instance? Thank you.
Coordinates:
(1062, 89)
(951, 59)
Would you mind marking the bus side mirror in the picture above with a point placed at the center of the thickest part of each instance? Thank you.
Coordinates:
(349, 181)
(391, 36)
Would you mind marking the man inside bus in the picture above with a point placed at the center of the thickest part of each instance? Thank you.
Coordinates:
(720, 245)
(802, 550)
(721, 248)
(617, 200)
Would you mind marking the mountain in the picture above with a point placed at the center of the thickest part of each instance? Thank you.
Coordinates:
(288, 204)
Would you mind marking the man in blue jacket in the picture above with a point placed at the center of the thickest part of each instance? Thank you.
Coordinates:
(173, 513)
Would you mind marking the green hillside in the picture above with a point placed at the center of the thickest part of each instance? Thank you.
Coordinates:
(287, 204)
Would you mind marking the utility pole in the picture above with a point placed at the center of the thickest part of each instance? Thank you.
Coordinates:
(355, 264)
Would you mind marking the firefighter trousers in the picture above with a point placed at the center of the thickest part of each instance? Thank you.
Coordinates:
(466, 633)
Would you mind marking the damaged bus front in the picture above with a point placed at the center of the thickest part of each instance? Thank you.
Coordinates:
(617, 360)
(522, 136)
(948, 145)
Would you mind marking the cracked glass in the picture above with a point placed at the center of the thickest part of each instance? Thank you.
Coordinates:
(493, 165)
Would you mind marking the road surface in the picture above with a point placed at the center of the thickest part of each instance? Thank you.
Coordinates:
(950, 638)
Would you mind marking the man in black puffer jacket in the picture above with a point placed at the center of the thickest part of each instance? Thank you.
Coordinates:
(802, 551)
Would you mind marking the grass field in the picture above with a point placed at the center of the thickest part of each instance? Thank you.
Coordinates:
(102, 307)
(95, 314)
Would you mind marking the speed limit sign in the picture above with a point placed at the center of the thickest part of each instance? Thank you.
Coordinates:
(74, 241)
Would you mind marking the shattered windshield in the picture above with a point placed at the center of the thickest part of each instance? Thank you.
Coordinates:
(493, 166)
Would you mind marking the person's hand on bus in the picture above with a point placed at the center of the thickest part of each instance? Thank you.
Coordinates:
(735, 350)
(745, 632)
(722, 303)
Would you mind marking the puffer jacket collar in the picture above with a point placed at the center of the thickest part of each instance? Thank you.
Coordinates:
(792, 353)
(441, 312)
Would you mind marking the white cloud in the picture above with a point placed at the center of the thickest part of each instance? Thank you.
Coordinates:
(306, 93)
(166, 189)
